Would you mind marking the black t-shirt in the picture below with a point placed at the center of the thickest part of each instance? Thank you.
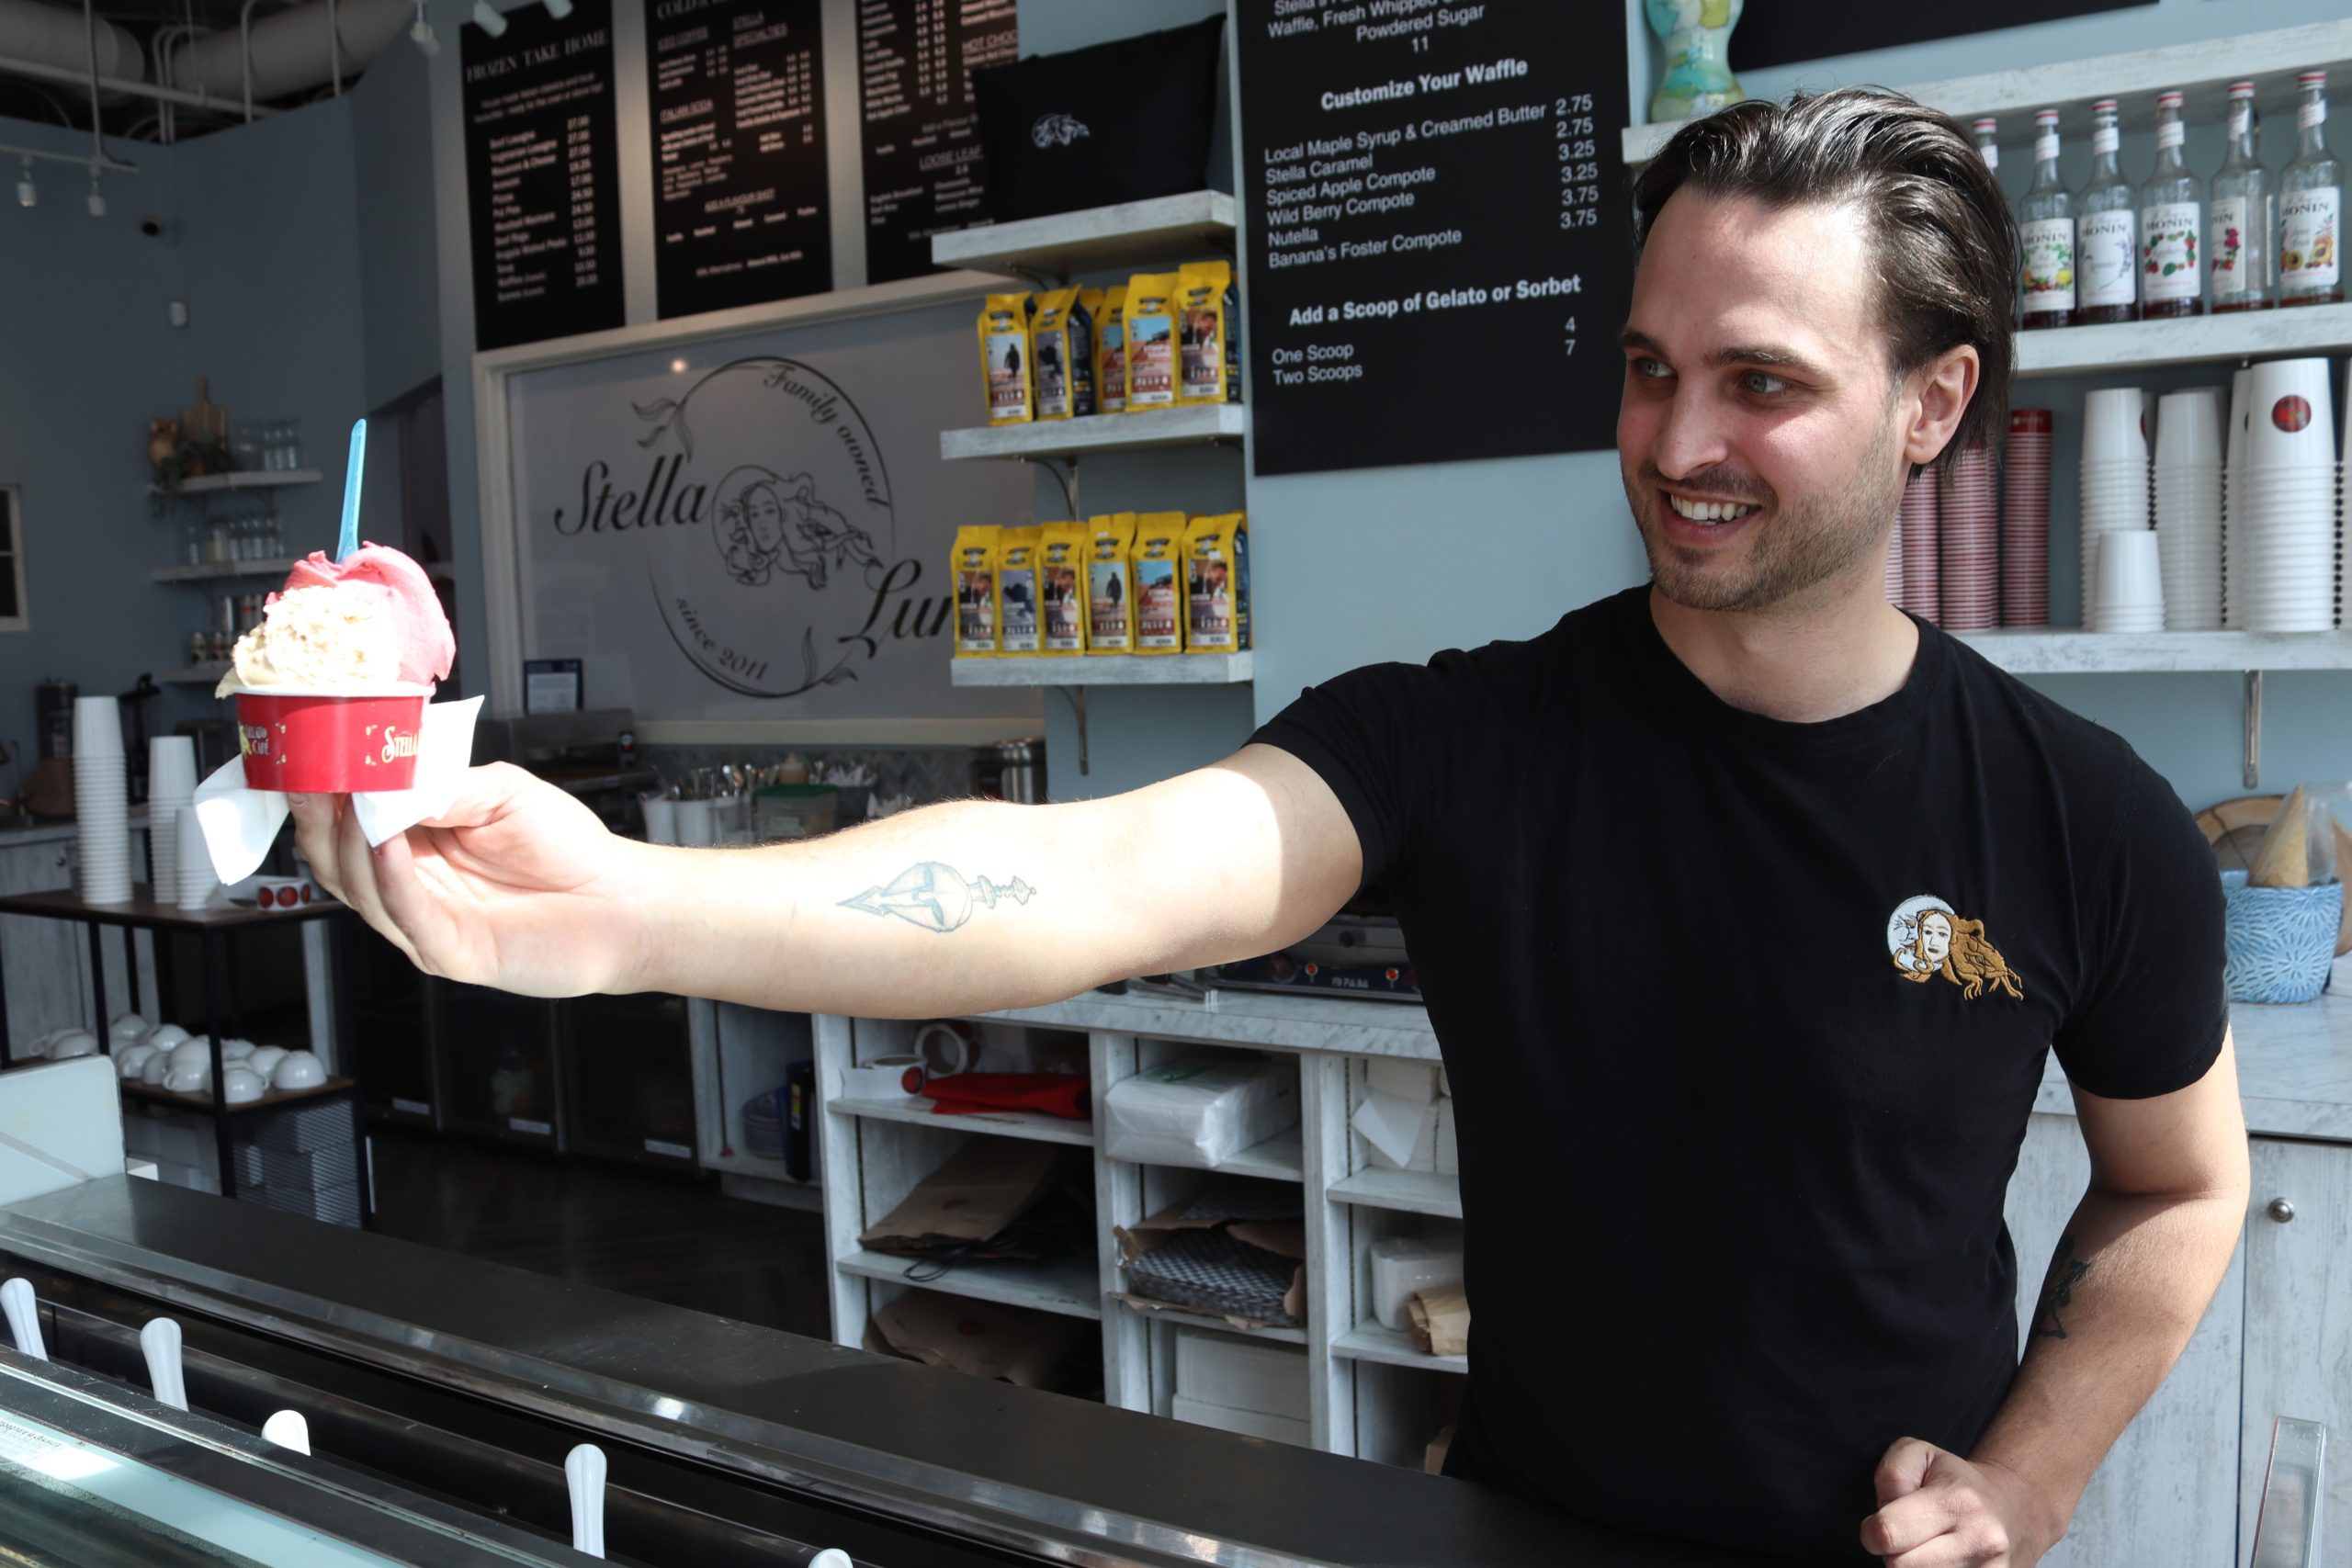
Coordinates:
(1744, 1021)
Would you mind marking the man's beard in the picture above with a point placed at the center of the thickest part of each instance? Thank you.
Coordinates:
(1802, 545)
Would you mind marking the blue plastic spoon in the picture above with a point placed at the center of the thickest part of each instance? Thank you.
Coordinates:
(349, 541)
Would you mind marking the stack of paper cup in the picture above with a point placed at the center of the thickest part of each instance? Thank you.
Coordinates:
(2128, 594)
(197, 880)
(2241, 413)
(1922, 554)
(2025, 519)
(2188, 507)
(171, 783)
(1894, 561)
(2114, 478)
(101, 801)
(1968, 531)
(2284, 505)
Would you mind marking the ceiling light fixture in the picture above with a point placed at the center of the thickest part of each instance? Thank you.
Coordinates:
(558, 9)
(487, 20)
(420, 33)
(97, 198)
(26, 193)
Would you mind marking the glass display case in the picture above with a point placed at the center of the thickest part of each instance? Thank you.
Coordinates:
(628, 1078)
(393, 1009)
(500, 1065)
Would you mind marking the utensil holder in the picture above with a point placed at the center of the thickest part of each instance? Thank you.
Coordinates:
(2280, 941)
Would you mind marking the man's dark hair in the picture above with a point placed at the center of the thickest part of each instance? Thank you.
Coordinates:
(1945, 242)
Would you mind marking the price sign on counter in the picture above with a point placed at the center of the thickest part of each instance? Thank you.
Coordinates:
(737, 98)
(1441, 252)
(541, 175)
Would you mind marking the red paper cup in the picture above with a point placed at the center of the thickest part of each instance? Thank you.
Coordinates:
(307, 743)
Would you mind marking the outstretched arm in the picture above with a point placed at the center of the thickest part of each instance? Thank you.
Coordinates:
(960, 907)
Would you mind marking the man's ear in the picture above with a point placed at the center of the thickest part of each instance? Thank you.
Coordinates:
(1944, 389)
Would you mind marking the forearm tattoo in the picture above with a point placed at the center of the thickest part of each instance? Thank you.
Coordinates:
(2058, 1289)
(936, 898)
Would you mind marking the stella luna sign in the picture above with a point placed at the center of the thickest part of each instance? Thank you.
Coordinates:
(767, 528)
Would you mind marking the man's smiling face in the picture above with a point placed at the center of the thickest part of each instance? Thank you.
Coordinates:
(1759, 431)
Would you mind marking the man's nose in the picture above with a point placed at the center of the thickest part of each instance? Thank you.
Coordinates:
(1690, 436)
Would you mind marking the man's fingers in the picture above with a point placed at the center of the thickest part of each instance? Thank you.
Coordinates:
(359, 890)
(1907, 1524)
(315, 835)
(484, 795)
(407, 903)
(1903, 1468)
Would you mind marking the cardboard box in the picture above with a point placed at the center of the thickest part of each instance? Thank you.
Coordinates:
(1262, 1377)
(1246, 1422)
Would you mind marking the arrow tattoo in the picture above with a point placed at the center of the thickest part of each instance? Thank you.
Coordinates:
(936, 898)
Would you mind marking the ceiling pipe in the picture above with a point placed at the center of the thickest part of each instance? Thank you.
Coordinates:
(69, 41)
(75, 76)
(296, 50)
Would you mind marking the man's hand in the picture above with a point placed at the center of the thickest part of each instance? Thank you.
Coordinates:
(517, 885)
(1939, 1510)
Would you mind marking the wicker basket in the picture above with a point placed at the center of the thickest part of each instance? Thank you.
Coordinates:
(2282, 940)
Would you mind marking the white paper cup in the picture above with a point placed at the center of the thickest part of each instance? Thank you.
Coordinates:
(2291, 420)
(171, 767)
(2131, 573)
(97, 726)
(660, 818)
(2189, 429)
(197, 878)
(2114, 419)
(2241, 411)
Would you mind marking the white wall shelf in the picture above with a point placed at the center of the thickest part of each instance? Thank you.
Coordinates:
(1173, 1315)
(2203, 70)
(1280, 1158)
(1101, 239)
(2040, 651)
(1406, 1191)
(2130, 347)
(1193, 424)
(1106, 669)
(1371, 1342)
(259, 478)
(1064, 1285)
(275, 566)
(1031, 1125)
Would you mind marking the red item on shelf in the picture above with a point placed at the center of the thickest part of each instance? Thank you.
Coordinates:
(1052, 1094)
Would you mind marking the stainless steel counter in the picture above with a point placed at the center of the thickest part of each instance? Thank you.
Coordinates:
(1062, 1480)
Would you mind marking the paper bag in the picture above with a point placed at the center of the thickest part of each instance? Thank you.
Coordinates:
(1028, 1350)
(982, 1189)
(1440, 1321)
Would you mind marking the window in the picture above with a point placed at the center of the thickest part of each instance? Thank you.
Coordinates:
(14, 615)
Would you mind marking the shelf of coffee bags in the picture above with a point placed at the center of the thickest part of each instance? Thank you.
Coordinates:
(1067, 1285)
(2070, 651)
(2202, 71)
(1390, 1346)
(1186, 425)
(1105, 670)
(2129, 347)
(1100, 239)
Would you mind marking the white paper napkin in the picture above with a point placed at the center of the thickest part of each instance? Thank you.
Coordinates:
(240, 824)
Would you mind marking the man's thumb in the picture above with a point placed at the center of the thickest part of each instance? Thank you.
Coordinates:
(1903, 1469)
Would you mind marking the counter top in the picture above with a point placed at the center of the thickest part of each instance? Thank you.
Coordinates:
(2295, 1063)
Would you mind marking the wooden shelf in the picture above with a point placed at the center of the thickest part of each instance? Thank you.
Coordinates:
(1100, 239)
(262, 478)
(270, 1100)
(1064, 1285)
(1032, 1125)
(2203, 70)
(2130, 347)
(2066, 651)
(1371, 1342)
(1407, 1192)
(1186, 425)
(1106, 669)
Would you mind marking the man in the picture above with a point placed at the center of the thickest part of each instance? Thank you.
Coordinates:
(1734, 1238)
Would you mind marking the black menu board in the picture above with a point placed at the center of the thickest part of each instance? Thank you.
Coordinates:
(1440, 246)
(542, 172)
(923, 170)
(739, 171)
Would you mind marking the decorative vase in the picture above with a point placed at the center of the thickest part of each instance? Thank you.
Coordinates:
(1697, 35)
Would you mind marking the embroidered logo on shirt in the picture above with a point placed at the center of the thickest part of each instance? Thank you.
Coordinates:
(1928, 938)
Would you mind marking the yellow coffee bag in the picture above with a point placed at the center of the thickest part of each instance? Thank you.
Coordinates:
(1016, 590)
(1110, 586)
(1063, 336)
(1005, 352)
(1150, 322)
(1158, 561)
(974, 572)
(1216, 583)
(1061, 577)
(1111, 352)
(1208, 334)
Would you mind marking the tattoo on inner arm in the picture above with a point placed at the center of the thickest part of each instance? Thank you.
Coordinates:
(2058, 1289)
(936, 898)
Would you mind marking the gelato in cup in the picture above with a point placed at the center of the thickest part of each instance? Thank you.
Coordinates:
(331, 687)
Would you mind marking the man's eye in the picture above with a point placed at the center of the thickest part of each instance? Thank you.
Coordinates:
(1653, 369)
(1762, 385)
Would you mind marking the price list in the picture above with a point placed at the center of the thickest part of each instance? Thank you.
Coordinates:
(1440, 254)
(540, 175)
(739, 198)
(921, 153)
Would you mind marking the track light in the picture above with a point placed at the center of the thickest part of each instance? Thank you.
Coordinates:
(97, 198)
(420, 33)
(487, 20)
(558, 9)
(26, 193)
